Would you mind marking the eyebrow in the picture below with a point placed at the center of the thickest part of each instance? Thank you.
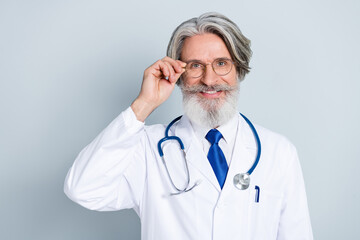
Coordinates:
(197, 60)
(193, 60)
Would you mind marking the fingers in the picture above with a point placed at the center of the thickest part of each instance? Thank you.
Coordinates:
(176, 64)
(171, 69)
(158, 83)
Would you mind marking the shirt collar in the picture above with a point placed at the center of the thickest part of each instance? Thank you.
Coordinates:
(227, 130)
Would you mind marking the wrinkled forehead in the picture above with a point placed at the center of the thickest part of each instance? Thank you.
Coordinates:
(204, 47)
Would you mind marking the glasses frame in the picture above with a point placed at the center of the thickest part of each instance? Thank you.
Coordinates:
(204, 65)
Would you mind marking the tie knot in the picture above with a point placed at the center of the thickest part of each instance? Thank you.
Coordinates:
(213, 136)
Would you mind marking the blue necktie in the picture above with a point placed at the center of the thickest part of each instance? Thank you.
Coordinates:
(216, 156)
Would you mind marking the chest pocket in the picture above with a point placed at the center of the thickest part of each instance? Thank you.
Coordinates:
(263, 214)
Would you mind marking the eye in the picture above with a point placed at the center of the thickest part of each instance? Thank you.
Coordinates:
(222, 63)
(195, 65)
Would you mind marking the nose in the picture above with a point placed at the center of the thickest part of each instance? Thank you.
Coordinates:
(210, 77)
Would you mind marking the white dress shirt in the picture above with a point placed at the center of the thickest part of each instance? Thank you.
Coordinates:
(226, 143)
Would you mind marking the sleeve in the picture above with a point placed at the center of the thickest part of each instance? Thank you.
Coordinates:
(110, 172)
(295, 220)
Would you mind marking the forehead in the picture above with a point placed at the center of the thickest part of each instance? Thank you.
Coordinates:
(205, 47)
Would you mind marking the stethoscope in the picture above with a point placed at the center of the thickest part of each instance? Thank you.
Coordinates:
(241, 180)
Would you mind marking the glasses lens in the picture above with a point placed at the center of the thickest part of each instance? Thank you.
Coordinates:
(195, 69)
(222, 66)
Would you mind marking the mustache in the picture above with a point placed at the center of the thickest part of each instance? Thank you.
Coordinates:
(203, 88)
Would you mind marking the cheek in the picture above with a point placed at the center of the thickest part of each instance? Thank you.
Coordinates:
(231, 78)
(190, 81)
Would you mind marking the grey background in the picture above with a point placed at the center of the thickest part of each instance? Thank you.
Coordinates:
(67, 68)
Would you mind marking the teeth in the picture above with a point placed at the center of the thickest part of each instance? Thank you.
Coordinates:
(210, 92)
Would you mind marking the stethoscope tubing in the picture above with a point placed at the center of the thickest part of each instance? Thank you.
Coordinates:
(258, 143)
(186, 189)
(167, 137)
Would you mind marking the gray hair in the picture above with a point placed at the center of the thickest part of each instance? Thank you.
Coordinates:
(237, 44)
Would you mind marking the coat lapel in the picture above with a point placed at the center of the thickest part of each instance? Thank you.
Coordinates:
(194, 153)
(243, 155)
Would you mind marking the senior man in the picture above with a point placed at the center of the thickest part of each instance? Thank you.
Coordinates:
(232, 180)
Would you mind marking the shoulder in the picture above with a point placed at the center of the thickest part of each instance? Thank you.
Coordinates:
(155, 131)
(273, 139)
(265, 135)
(275, 147)
(159, 129)
(277, 151)
(179, 127)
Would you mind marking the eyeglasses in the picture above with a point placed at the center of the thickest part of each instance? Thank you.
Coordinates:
(221, 67)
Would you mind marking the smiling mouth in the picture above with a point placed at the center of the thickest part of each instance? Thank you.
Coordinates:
(211, 93)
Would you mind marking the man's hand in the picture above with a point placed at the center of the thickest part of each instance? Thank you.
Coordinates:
(158, 83)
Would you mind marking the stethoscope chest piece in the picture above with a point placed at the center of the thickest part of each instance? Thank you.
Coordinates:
(242, 181)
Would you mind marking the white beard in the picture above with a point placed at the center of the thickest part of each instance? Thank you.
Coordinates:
(210, 112)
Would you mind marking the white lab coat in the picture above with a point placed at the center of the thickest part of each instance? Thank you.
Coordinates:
(122, 168)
